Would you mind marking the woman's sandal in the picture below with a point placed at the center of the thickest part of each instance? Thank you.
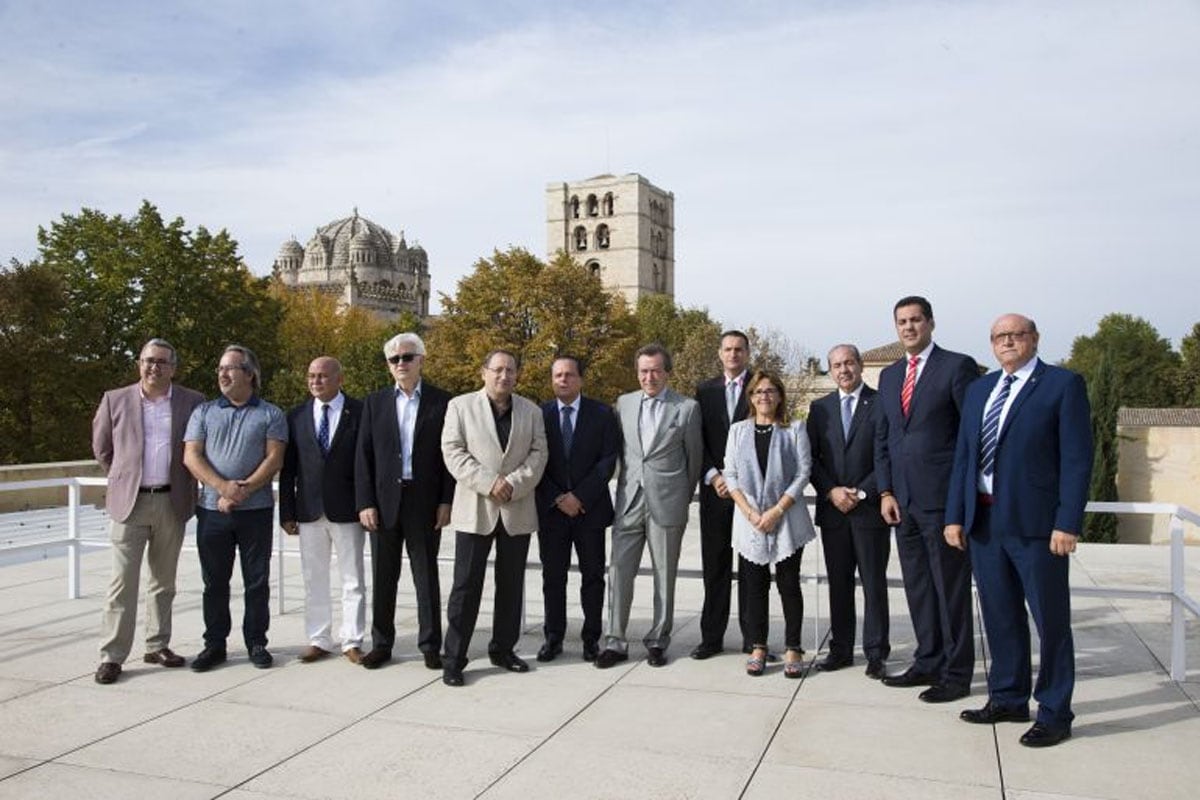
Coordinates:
(756, 666)
(792, 669)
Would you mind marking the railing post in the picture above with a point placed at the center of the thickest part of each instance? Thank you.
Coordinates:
(1178, 589)
(72, 540)
(280, 538)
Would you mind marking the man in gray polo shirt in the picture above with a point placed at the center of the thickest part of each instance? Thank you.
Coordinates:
(234, 445)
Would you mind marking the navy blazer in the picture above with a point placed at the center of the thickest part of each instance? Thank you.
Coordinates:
(310, 483)
(595, 448)
(378, 469)
(914, 454)
(839, 460)
(1043, 467)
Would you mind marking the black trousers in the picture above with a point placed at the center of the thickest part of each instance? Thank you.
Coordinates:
(937, 585)
(716, 557)
(555, 540)
(218, 537)
(757, 579)
(852, 544)
(471, 551)
(417, 535)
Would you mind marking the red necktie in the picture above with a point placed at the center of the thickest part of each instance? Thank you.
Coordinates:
(910, 382)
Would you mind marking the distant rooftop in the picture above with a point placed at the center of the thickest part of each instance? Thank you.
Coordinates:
(1160, 417)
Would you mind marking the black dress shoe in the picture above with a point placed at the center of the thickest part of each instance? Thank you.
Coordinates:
(452, 677)
(1045, 736)
(875, 669)
(610, 658)
(992, 713)
(705, 650)
(108, 672)
(508, 661)
(261, 657)
(944, 693)
(433, 661)
(832, 663)
(377, 658)
(590, 651)
(549, 651)
(908, 678)
(656, 657)
(208, 658)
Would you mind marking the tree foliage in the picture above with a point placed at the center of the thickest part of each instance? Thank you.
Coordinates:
(692, 336)
(1144, 367)
(1102, 395)
(1187, 386)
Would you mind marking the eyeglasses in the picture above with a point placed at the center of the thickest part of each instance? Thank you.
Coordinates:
(225, 368)
(765, 392)
(1018, 336)
(155, 362)
(407, 358)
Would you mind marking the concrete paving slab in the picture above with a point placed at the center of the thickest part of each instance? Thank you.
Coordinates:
(385, 759)
(1017, 794)
(783, 780)
(1137, 702)
(15, 687)
(722, 673)
(84, 783)
(11, 766)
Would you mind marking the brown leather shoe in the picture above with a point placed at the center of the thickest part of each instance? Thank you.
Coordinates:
(108, 672)
(312, 653)
(353, 655)
(165, 657)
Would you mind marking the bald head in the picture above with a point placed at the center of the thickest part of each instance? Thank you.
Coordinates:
(1014, 341)
(324, 378)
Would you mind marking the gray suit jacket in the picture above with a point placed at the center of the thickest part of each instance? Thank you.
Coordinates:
(117, 437)
(471, 449)
(667, 470)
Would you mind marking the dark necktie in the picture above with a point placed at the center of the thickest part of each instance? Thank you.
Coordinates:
(568, 429)
(990, 434)
(323, 431)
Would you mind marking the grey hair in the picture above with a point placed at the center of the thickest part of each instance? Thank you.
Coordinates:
(393, 345)
(250, 365)
(163, 343)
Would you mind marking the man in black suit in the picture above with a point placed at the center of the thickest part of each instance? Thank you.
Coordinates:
(722, 401)
(841, 431)
(574, 505)
(921, 397)
(316, 502)
(403, 495)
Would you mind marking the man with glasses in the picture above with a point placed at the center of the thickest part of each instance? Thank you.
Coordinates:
(494, 443)
(403, 494)
(234, 445)
(137, 436)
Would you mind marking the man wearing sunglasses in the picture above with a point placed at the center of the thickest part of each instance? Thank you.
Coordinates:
(403, 493)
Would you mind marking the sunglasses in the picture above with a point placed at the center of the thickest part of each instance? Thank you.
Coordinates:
(407, 358)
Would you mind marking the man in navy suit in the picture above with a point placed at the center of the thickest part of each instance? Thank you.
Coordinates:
(574, 505)
(920, 400)
(1021, 474)
(403, 493)
(316, 502)
(841, 431)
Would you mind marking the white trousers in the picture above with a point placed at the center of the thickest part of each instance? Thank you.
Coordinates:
(316, 539)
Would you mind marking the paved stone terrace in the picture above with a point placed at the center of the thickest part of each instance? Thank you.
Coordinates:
(690, 730)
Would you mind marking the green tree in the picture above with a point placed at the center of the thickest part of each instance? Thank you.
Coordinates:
(1188, 384)
(517, 302)
(1144, 367)
(691, 335)
(1102, 395)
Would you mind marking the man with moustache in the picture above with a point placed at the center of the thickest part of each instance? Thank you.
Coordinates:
(841, 431)
(920, 399)
(403, 495)
(234, 445)
(316, 503)
(574, 504)
(494, 443)
(137, 436)
(1022, 470)
(722, 402)
(661, 459)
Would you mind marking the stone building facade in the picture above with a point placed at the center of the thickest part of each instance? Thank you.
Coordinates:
(1158, 461)
(361, 263)
(620, 227)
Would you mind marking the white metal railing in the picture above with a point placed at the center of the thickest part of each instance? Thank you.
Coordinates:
(1178, 596)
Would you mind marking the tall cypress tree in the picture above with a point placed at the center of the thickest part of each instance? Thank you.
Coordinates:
(1105, 401)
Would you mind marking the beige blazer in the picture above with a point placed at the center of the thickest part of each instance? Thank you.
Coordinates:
(117, 437)
(473, 456)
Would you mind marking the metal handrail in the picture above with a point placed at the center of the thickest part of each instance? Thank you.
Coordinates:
(1181, 601)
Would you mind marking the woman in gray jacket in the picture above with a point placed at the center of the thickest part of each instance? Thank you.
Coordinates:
(767, 466)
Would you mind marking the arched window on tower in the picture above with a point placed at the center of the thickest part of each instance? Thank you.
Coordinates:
(602, 237)
(574, 206)
(581, 238)
(593, 205)
(593, 267)
(607, 204)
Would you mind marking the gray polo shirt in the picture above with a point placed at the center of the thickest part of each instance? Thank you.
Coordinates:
(235, 443)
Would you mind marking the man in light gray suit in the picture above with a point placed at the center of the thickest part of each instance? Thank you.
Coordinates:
(661, 458)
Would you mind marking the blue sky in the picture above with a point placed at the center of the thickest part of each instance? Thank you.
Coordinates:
(826, 158)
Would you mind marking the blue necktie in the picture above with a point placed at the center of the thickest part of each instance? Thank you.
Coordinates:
(990, 434)
(568, 429)
(847, 415)
(323, 431)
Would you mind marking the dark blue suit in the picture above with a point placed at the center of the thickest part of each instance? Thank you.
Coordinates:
(913, 458)
(1040, 484)
(585, 472)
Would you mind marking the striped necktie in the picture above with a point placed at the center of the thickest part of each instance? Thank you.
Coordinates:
(910, 383)
(323, 431)
(990, 435)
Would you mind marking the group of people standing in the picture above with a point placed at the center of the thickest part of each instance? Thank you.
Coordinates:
(938, 453)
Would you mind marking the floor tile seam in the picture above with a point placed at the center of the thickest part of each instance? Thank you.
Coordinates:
(888, 775)
(60, 760)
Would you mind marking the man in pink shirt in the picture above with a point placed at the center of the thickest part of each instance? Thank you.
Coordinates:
(137, 436)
